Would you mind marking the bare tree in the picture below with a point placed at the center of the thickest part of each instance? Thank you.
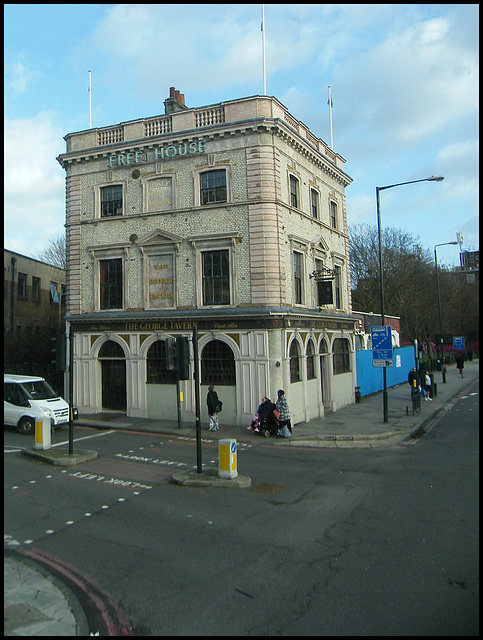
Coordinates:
(408, 278)
(55, 252)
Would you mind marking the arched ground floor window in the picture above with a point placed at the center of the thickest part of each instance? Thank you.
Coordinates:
(156, 371)
(340, 352)
(218, 364)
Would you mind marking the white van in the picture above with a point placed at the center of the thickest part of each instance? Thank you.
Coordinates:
(27, 398)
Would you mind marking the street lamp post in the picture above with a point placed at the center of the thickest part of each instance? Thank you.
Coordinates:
(440, 345)
(381, 276)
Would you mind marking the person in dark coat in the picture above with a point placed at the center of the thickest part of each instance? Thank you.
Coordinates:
(460, 363)
(264, 412)
(413, 376)
(214, 407)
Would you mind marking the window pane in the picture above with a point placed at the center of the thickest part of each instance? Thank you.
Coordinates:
(35, 288)
(111, 284)
(333, 214)
(157, 373)
(337, 281)
(295, 362)
(341, 356)
(111, 349)
(217, 364)
(213, 186)
(111, 201)
(293, 191)
(22, 285)
(315, 203)
(297, 276)
(310, 360)
(216, 277)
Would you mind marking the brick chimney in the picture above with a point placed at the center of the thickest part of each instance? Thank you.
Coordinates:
(175, 102)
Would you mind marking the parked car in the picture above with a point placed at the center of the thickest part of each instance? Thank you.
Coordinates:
(27, 398)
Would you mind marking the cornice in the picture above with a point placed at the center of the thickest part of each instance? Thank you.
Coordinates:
(274, 126)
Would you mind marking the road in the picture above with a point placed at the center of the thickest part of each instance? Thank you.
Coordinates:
(325, 542)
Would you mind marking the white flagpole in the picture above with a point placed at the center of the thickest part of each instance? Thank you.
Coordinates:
(263, 47)
(90, 101)
(329, 102)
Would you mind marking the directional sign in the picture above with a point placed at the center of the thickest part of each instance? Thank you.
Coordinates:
(458, 343)
(382, 355)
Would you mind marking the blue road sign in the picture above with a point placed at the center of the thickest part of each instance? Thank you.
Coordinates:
(458, 343)
(382, 354)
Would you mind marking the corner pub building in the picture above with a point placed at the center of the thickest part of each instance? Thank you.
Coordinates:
(223, 218)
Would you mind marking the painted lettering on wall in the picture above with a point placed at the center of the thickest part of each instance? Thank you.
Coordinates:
(167, 325)
(161, 282)
(159, 153)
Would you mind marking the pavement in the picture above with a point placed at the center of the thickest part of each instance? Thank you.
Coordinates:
(37, 605)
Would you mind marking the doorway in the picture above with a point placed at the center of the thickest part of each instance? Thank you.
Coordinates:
(113, 366)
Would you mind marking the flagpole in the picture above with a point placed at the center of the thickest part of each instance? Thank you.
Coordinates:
(263, 47)
(90, 101)
(329, 102)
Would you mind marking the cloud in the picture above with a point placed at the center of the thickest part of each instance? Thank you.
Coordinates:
(18, 77)
(33, 182)
(410, 86)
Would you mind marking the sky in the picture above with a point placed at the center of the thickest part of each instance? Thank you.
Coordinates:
(404, 83)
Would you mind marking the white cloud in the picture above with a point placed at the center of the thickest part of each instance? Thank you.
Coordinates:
(18, 77)
(33, 183)
(412, 85)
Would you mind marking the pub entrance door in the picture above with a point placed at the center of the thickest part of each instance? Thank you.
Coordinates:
(113, 365)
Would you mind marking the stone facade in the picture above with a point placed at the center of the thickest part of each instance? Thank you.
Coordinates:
(278, 217)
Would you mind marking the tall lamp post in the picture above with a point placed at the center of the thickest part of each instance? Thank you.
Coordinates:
(381, 275)
(440, 353)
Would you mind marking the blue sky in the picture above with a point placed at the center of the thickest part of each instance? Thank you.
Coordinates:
(404, 84)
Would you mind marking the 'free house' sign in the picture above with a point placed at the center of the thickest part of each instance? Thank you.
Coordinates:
(160, 153)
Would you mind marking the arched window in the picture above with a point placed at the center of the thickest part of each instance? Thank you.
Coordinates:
(295, 362)
(310, 360)
(111, 349)
(341, 355)
(218, 364)
(156, 370)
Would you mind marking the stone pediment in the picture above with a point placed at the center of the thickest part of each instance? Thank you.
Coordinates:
(159, 238)
(319, 244)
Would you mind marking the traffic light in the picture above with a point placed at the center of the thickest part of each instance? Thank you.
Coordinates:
(58, 351)
(171, 359)
(61, 357)
(183, 353)
(53, 351)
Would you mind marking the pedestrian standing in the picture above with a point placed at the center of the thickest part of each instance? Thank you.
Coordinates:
(460, 363)
(428, 386)
(214, 408)
(422, 383)
(411, 377)
(281, 405)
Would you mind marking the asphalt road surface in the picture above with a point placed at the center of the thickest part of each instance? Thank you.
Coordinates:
(325, 542)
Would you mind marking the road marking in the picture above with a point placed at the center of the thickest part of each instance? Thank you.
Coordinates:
(96, 435)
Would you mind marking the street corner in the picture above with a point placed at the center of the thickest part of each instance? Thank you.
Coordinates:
(209, 478)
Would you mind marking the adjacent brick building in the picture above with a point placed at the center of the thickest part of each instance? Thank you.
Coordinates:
(33, 294)
(226, 218)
